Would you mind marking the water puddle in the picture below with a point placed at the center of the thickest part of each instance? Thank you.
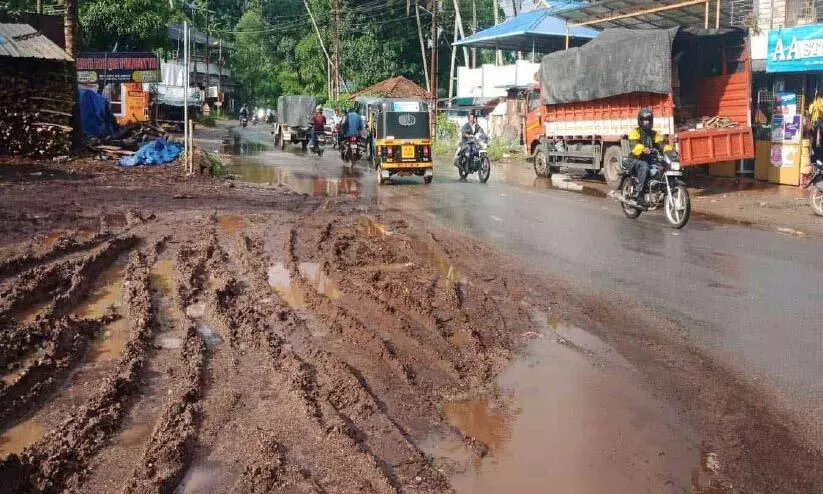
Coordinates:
(322, 282)
(280, 280)
(568, 422)
(232, 223)
(169, 315)
(209, 335)
(370, 227)
(135, 435)
(162, 276)
(203, 478)
(304, 183)
(107, 295)
(481, 419)
(20, 437)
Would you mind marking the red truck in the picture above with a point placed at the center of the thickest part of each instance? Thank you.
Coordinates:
(709, 75)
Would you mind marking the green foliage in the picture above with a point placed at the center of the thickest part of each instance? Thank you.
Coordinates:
(209, 121)
(446, 129)
(134, 25)
(252, 62)
(216, 166)
(503, 148)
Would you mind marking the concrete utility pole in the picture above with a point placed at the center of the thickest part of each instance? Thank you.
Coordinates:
(422, 45)
(208, 73)
(319, 38)
(39, 7)
(433, 109)
(451, 69)
(459, 23)
(498, 55)
(336, 48)
(474, 30)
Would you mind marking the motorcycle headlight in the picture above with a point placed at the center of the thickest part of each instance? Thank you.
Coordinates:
(676, 166)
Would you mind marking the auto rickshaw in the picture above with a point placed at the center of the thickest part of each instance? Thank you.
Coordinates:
(400, 137)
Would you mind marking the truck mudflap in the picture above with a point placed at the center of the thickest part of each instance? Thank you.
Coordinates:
(701, 147)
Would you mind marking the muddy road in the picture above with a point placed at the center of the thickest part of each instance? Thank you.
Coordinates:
(312, 333)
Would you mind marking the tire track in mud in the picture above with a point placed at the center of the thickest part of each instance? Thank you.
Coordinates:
(65, 451)
(58, 342)
(167, 451)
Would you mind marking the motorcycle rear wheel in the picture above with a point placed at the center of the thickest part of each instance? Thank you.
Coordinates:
(629, 188)
(678, 207)
(485, 169)
(816, 200)
(462, 168)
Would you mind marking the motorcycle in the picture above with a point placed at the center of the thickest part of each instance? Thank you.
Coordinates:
(335, 136)
(477, 160)
(665, 189)
(815, 184)
(352, 149)
(319, 146)
(244, 122)
(254, 120)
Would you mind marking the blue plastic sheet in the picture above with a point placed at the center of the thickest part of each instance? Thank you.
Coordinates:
(153, 153)
(96, 118)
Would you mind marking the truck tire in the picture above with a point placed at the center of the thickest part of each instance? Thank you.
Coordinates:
(611, 165)
(541, 163)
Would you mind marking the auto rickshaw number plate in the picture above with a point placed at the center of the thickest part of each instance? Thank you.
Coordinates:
(407, 152)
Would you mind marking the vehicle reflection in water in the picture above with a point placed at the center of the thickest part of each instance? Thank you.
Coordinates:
(305, 183)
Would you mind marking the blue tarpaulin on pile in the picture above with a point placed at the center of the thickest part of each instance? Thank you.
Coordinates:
(153, 153)
(96, 118)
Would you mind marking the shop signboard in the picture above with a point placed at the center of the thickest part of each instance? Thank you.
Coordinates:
(795, 49)
(131, 67)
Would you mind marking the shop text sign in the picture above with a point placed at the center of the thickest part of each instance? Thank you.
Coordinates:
(118, 67)
(795, 49)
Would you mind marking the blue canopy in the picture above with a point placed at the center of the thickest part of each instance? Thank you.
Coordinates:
(535, 31)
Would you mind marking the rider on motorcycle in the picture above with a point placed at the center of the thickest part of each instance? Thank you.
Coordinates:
(470, 129)
(642, 140)
(352, 124)
(244, 111)
(318, 124)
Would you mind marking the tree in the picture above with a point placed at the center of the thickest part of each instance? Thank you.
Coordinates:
(253, 63)
(133, 25)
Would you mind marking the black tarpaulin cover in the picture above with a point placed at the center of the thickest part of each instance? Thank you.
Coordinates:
(618, 61)
(295, 111)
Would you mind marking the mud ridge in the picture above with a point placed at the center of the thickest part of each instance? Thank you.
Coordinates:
(65, 451)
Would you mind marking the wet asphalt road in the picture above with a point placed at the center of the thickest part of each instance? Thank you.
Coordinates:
(752, 298)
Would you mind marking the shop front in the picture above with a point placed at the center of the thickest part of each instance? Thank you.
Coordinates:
(120, 78)
(788, 104)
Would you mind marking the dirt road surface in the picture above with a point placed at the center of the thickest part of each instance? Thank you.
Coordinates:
(303, 330)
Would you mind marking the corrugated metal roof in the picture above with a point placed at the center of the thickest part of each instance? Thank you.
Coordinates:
(690, 14)
(23, 41)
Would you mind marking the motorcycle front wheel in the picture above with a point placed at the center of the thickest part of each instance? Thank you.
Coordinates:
(485, 169)
(816, 200)
(678, 206)
(628, 189)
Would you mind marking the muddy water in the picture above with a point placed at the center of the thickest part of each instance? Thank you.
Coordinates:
(20, 437)
(280, 280)
(106, 294)
(572, 418)
(303, 182)
(169, 315)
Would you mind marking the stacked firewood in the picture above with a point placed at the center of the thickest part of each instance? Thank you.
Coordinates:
(35, 107)
(127, 139)
(718, 123)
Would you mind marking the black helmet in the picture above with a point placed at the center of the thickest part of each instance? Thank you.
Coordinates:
(645, 118)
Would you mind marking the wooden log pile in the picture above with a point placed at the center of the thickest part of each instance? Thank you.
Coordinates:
(716, 122)
(127, 139)
(35, 107)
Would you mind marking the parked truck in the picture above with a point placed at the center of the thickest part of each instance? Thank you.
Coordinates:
(587, 99)
(294, 120)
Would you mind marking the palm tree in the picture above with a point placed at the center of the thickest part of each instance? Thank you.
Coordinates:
(70, 27)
